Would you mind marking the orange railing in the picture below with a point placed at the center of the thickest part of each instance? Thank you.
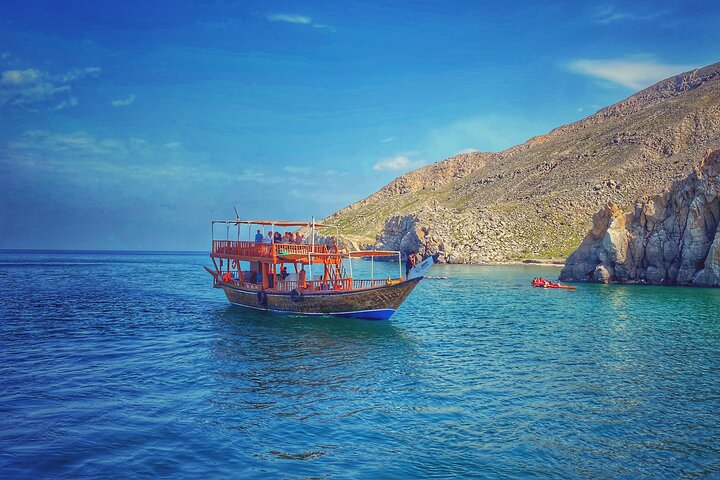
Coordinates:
(368, 283)
(315, 285)
(245, 249)
(343, 284)
(252, 249)
(287, 285)
(298, 249)
(240, 279)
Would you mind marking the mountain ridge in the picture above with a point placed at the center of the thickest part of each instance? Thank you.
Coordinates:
(535, 199)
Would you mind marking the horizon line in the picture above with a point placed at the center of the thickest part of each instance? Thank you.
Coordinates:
(90, 250)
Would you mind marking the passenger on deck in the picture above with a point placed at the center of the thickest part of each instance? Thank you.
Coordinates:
(283, 272)
(259, 237)
(277, 237)
(288, 237)
(410, 263)
(333, 246)
(298, 238)
(302, 277)
(270, 237)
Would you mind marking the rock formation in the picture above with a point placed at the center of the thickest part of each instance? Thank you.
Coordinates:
(671, 239)
(535, 200)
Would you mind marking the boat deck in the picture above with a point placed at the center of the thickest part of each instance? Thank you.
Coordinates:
(264, 252)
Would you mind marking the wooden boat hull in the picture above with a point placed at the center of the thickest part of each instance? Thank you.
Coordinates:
(378, 303)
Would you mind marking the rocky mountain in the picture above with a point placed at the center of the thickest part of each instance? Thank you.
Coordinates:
(535, 200)
(670, 239)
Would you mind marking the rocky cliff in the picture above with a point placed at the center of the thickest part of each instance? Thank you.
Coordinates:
(535, 200)
(671, 239)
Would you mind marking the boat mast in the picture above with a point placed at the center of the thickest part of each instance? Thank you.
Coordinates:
(337, 230)
(400, 266)
(312, 245)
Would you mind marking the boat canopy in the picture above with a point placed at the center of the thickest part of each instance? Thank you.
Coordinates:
(318, 257)
(277, 223)
(265, 259)
(361, 254)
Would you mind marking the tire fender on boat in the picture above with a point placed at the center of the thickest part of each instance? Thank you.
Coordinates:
(296, 295)
(262, 299)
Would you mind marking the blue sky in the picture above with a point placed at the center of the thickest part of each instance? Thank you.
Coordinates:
(129, 126)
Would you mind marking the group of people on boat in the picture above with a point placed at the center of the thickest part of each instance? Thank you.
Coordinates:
(277, 237)
(543, 283)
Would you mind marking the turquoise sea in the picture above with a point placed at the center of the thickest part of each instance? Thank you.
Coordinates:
(127, 365)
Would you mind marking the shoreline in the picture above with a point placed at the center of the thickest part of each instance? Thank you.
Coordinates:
(526, 263)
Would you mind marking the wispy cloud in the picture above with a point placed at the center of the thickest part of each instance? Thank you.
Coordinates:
(298, 19)
(610, 14)
(487, 133)
(20, 78)
(69, 102)
(124, 102)
(467, 150)
(289, 18)
(631, 73)
(387, 139)
(81, 154)
(398, 163)
(32, 86)
(294, 169)
(322, 26)
(79, 73)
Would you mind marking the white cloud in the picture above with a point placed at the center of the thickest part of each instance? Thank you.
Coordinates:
(631, 73)
(30, 86)
(79, 73)
(398, 163)
(294, 169)
(124, 102)
(79, 143)
(81, 154)
(289, 18)
(4, 55)
(322, 26)
(299, 20)
(387, 140)
(20, 77)
(610, 14)
(467, 150)
(488, 133)
(69, 102)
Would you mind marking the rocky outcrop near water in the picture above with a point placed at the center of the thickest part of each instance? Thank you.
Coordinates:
(536, 200)
(460, 237)
(671, 239)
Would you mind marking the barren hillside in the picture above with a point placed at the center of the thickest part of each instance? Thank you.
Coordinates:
(536, 200)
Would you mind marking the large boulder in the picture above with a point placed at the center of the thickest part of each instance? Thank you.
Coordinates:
(670, 239)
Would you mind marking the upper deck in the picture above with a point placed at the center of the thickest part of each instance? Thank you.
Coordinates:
(267, 259)
(268, 252)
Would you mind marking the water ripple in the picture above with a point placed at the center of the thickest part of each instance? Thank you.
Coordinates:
(140, 369)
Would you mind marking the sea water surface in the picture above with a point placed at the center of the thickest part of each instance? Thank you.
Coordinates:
(132, 365)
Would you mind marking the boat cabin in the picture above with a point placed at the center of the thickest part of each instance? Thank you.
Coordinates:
(284, 265)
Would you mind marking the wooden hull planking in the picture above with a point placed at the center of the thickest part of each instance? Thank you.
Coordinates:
(377, 303)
